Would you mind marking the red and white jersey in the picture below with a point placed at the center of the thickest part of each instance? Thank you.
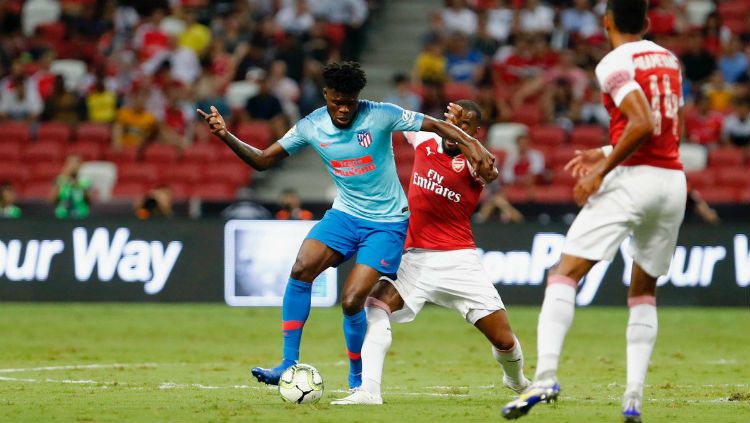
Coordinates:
(646, 66)
(443, 195)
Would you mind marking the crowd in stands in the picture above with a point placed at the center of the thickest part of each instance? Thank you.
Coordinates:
(119, 80)
(530, 65)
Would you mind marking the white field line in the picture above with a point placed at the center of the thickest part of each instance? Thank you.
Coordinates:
(80, 367)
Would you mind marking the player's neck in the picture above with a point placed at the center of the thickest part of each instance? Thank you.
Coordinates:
(620, 38)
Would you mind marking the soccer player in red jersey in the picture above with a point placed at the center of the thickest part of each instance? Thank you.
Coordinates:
(441, 264)
(634, 188)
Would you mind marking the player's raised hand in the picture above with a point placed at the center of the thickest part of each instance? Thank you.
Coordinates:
(587, 186)
(215, 122)
(454, 114)
(584, 162)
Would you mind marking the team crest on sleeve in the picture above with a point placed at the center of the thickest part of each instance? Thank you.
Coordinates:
(364, 138)
(458, 164)
(408, 116)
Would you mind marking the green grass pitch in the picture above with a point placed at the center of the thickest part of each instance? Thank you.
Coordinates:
(184, 363)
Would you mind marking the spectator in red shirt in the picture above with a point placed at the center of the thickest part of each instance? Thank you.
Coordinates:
(703, 125)
(524, 167)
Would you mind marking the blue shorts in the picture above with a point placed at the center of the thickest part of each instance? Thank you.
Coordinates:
(377, 244)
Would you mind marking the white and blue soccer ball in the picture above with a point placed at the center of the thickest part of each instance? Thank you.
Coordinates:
(301, 384)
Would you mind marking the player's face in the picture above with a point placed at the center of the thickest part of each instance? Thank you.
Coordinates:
(469, 124)
(341, 107)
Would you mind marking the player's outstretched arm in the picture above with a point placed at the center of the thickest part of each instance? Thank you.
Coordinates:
(481, 160)
(256, 158)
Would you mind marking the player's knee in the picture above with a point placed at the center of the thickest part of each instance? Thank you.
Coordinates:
(351, 304)
(503, 340)
(303, 270)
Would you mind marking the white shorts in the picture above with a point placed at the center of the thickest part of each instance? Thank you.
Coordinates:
(644, 202)
(453, 279)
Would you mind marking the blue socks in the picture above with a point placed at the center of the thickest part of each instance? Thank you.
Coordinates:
(355, 327)
(294, 313)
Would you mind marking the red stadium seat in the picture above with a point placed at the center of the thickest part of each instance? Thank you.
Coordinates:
(160, 154)
(186, 173)
(179, 191)
(214, 191)
(527, 114)
(553, 194)
(43, 151)
(702, 179)
(731, 9)
(500, 156)
(744, 197)
(39, 190)
(561, 177)
(126, 155)
(720, 195)
(15, 172)
(736, 177)
(456, 91)
(236, 174)
(591, 136)
(54, 132)
(551, 135)
(560, 156)
(10, 150)
(14, 131)
(45, 171)
(131, 189)
(88, 150)
(725, 157)
(516, 194)
(94, 132)
(257, 134)
(144, 173)
(200, 153)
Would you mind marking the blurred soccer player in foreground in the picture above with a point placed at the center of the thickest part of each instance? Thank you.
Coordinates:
(369, 216)
(634, 188)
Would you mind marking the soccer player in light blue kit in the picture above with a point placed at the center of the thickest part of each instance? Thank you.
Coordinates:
(370, 214)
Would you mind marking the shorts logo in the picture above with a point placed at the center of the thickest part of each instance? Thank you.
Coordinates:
(364, 138)
(384, 263)
(458, 164)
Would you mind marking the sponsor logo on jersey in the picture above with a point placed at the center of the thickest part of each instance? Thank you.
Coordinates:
(353, 167)
(458, 164)
(364, 138)
(434, 182)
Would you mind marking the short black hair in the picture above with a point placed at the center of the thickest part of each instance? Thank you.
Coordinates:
(344, 77)
(630, 15)
(471, 106)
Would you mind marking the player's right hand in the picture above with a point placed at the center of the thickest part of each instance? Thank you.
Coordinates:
(584, 162)
(215, 122)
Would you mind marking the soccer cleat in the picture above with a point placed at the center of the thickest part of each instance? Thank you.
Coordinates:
(542, 390)
(359, 396)
(631, 409)
(271, 376)
(514, 386)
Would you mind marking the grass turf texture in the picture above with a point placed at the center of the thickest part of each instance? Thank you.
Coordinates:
(191, 363)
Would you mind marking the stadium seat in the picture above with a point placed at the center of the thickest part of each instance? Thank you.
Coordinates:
(551, 135)
(145, 173)
(257, 134)
(553, 194)
(54, 132)
(456, 91)
(102, 175)
(10, 150)
(15, 172)
(500, 156)
(560, 156)
(214, 191)
(591, 136)
(126, 155)
(527, 114)
(744, 196)
(43, 151)
(131, 189)
(720, 195)
(15, 132)
(180, 192)
(45, 171)
(725, 157)
(94, 132)
(73, 71)
(88, 150)
(187, 173)
(516, 193)
(731, 9)
(701, 180)
(200, 153)
(236, 174)
(160, 154)
(561, 177)
(39, 190)
(735, 177)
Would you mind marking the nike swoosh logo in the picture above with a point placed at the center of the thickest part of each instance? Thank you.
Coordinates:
(514, 361)
(384, 263)
(325, 144)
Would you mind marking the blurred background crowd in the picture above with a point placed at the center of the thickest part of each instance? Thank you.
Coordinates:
(98, 97)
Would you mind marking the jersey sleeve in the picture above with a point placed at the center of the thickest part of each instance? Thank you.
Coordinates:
(293, 140)
(616, 76)
(398, 119)
(416, 138)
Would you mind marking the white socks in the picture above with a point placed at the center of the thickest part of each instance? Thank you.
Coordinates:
(641, 337)
(377, 342)
(511, 361)
(555, 319)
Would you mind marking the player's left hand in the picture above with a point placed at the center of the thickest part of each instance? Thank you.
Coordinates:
(584, 162)
(587, 186)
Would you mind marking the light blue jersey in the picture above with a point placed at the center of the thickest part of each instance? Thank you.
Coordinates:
(360, 158)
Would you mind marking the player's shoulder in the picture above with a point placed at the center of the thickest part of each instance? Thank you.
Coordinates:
(624, 54)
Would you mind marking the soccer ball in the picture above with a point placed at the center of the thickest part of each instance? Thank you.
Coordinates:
(301, 384)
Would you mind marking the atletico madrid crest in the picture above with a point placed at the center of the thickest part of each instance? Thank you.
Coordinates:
(364, 138)
(458, 164)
